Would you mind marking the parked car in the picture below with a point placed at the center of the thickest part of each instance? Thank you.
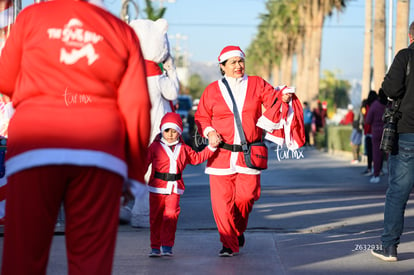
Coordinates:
(185, 102)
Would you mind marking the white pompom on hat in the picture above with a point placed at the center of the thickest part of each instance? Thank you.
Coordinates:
(229, 52)
(172, 121)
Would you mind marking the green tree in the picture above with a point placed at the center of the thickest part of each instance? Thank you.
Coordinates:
(152, 13)
(292, 30)
(196, 86)
(334, 91)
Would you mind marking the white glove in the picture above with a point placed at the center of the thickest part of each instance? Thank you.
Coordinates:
(169, 64)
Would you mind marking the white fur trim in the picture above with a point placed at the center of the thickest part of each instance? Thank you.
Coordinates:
(208, 130)
(165, 191)
(170, 125)
(169, 143)
(58, 156)
(229, 54)
(289, 90)
(230, 171)
(266, 124)
(274, 139)
(211, 148)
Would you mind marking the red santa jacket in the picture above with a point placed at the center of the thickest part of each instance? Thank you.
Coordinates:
(284, 122)
(166, 160)
(215, 111)
(348, 118)
(76, 76)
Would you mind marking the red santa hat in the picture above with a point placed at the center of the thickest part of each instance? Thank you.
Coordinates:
(230, 51)
(172, 121)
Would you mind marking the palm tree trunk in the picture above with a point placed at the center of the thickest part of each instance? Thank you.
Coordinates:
(305, 76)
(401, 26)
(276, 75)
(379, 43)
(366, 66)
(315, 50)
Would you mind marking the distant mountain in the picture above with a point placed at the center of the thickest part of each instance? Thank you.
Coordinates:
(209, 71)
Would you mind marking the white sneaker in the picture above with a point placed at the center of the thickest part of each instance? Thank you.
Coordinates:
(374, 179)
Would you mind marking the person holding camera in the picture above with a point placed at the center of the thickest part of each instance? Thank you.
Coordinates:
(398, 85)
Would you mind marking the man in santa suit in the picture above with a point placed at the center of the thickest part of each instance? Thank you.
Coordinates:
(234, 187)
(76, 76)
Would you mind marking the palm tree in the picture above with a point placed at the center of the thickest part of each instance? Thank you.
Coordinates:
(296, 30)
(366, 66)
(260, 55)
(152, 13)
(316, 16)
(285, 24)
(379, 43)
(401, 25)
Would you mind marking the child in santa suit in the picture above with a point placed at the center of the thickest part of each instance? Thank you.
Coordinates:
(169, 156)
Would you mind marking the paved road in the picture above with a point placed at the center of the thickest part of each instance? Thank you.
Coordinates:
(317, 215)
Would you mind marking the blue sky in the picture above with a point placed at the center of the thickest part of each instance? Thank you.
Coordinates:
(209, 25)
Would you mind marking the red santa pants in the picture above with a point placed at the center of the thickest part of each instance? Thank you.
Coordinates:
(91, 198)
(232, 199)
(164, 212)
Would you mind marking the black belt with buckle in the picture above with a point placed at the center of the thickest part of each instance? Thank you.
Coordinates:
(231, 147)
(167, 176)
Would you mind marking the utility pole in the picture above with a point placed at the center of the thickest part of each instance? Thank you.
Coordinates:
(390, 52)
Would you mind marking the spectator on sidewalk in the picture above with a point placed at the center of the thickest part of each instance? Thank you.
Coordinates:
(307, 117)
(319, 117)
(372, 96)
(356, 140)
(76, 77)
(169, 155)
(348, 119)
(398, 84)
(374, 119)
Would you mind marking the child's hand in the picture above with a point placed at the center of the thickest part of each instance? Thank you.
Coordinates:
(214, 139)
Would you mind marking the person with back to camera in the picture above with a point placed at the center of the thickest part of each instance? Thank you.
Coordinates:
(169, 155)
(374, 119)
(76, 77)
(372, 96)
(234, 187)
(398, 84)
(356, 140)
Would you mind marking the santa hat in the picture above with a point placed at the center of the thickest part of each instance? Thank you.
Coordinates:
(230, 51)
(172, 121)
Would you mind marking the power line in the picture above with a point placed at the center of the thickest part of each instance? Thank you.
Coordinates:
(221, 25)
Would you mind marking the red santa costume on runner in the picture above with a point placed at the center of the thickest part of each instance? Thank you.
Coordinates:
(163, 87)
(76, 77)
(166, 183)
(233, 186)
(6, 23)
(6, 112)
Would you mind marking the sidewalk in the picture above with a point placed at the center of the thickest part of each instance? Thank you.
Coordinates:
(316, 215)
